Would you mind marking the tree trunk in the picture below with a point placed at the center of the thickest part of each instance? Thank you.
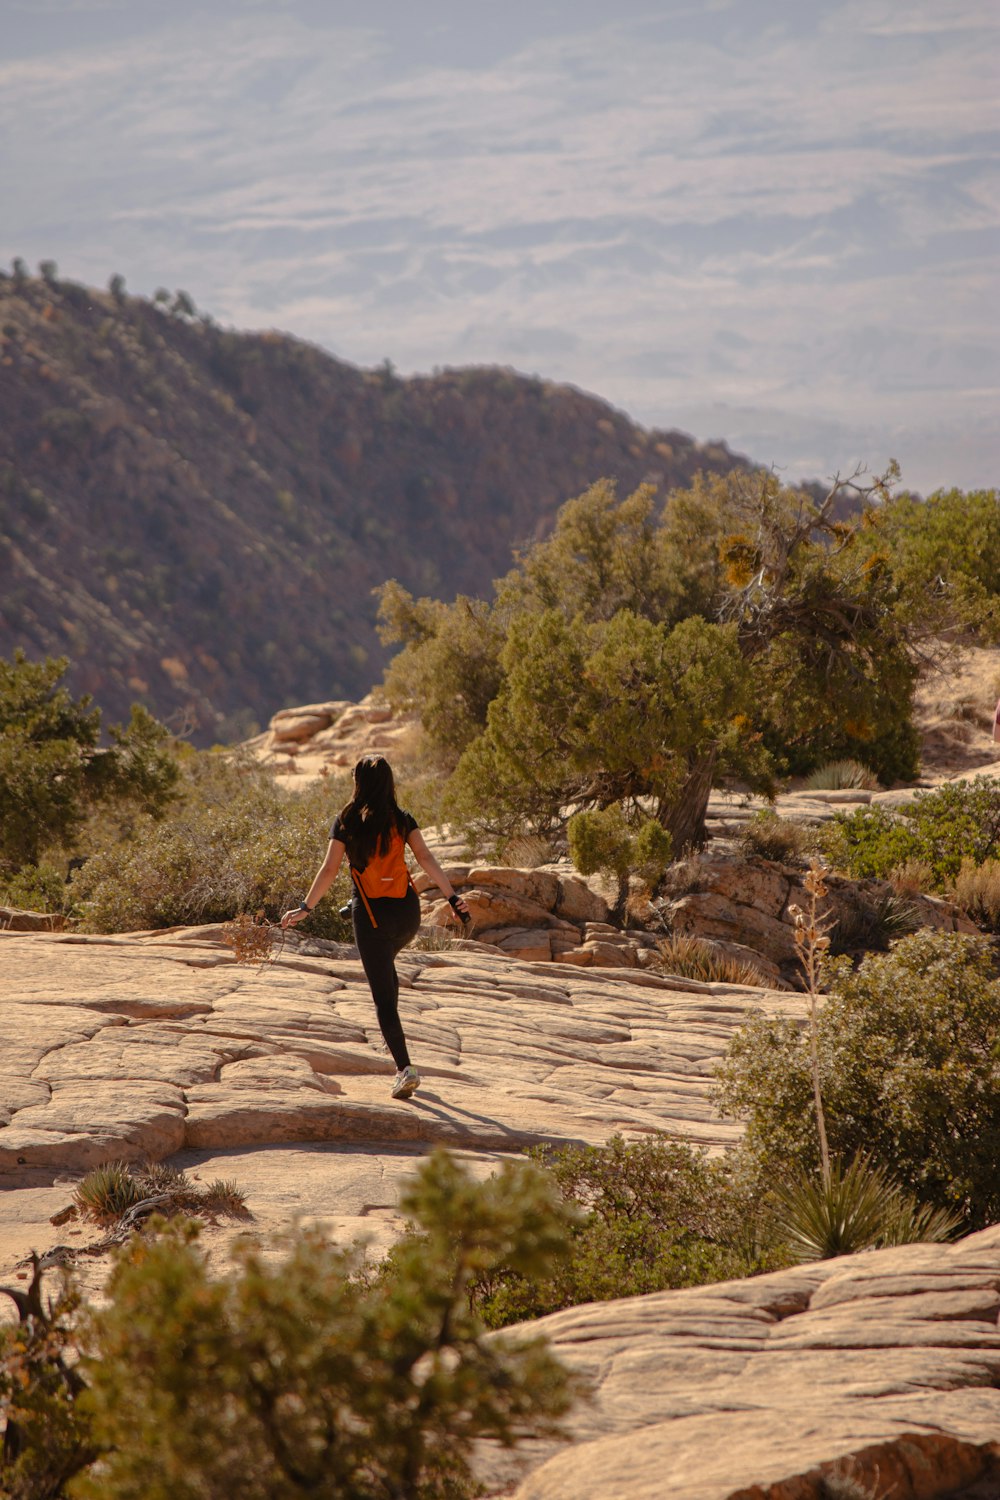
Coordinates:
(684, 820)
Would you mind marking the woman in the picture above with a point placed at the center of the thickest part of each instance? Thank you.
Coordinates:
(374, 831)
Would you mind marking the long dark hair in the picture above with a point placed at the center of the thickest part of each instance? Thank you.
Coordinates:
(371, 817)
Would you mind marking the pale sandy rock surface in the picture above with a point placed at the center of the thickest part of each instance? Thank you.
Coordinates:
(154, 1045)
(752, 1390)
(883, 1366)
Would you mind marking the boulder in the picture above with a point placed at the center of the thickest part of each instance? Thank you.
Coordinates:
(14, 920)
(297, 724)
(496, 907)
(707, 914)
(757, 883)
(578, 903)
(605, 955)
(538, 886)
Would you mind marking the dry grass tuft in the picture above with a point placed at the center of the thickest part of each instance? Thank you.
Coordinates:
(914, 877)
(780, 839)
(526, 851)
(977, 891)
(694, 958)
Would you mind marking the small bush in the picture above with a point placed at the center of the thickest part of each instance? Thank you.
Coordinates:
(36, 888)
(234, 843)
(959, 821)
(909, 1060)
(694, 958)
(771, 837)
(288, 1375)
(608, 841)
(842, 775)
(107, 1193)
(977, 891)
(46, 1434)
(650, 1215)
(307, 1378)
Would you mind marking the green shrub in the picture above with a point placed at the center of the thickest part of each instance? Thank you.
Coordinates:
(53, 769)
(841, 775)
(650, 1215)
(909, 1062)
(292, 1375)
(306, 1378)
(958, 821)
(869, 843)
(36, 888)
(607, 840)
(235, 842)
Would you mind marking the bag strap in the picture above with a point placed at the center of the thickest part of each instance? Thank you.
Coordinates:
(361, 892)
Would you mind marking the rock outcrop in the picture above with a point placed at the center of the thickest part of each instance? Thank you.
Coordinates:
(750, 903)
(873, 1374)
(324, 739)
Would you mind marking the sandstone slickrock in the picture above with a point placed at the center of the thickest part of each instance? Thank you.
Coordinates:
(142, 1045)
(882, 1368)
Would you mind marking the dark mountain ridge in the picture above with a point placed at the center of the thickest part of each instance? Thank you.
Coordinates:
(197, 517)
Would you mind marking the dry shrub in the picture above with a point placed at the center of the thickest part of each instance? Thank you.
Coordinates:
(973, 709)
(913, 877)
(526, 851)
(694, 958)
(251, 938)
(780, 839)
(977, 891)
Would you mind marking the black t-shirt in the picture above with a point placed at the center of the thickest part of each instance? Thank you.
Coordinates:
(407, 825)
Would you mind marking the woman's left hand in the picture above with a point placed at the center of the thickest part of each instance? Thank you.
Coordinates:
(295, 915)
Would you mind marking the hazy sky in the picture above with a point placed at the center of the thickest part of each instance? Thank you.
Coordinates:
(769, 221)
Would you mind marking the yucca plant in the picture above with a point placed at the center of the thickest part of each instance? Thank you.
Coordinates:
(874, 924)
(108, 1192)
(842, 775)
(857, 1207)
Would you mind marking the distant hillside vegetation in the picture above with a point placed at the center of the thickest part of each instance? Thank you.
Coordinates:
(197, 517)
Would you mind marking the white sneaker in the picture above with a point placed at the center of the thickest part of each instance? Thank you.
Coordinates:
(407, 1082)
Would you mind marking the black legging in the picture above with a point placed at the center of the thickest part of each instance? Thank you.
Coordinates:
(398, 919)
